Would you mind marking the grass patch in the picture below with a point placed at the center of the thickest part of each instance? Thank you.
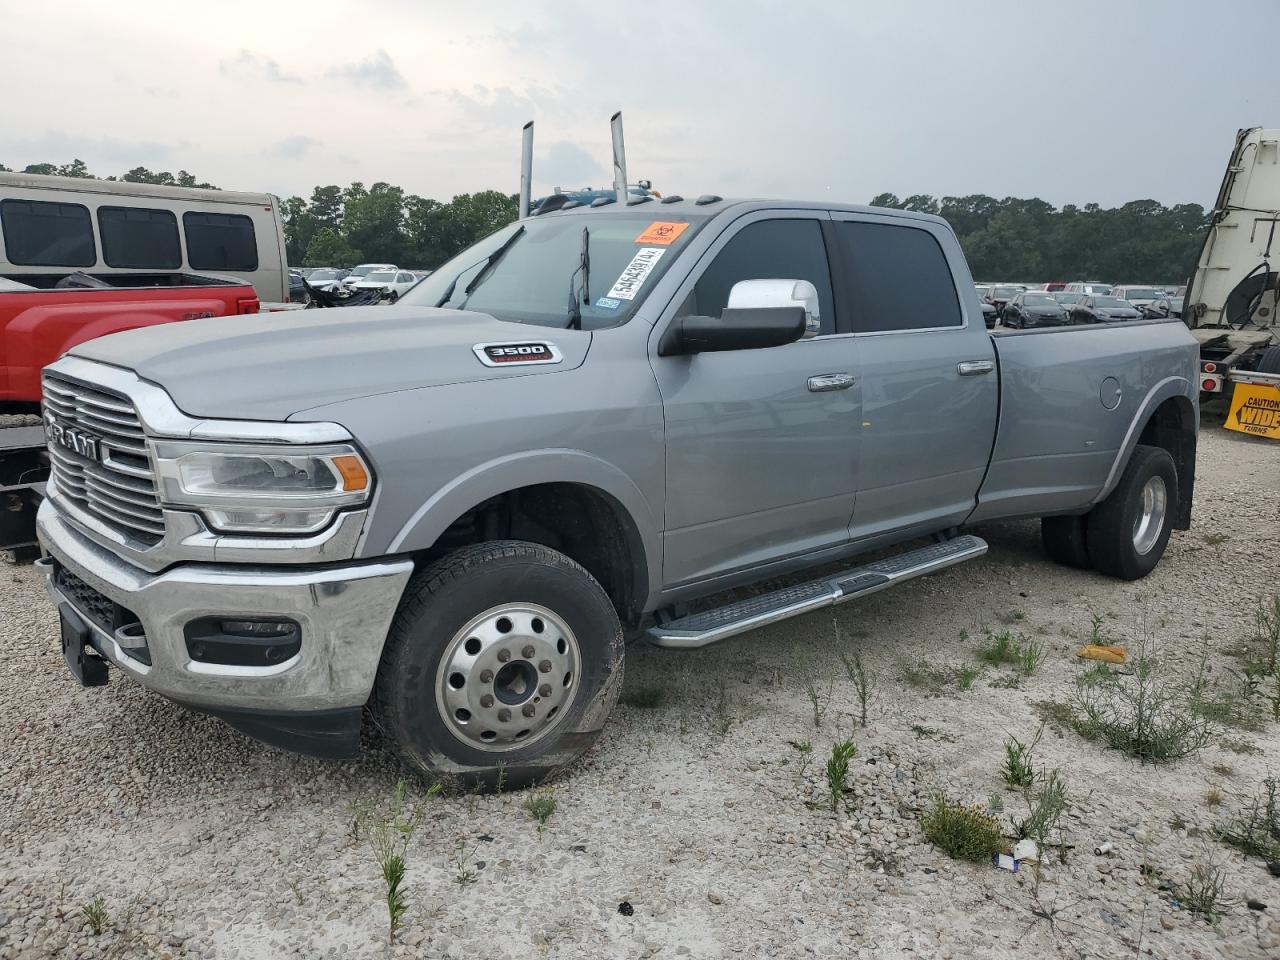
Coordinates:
(1254, 829)
(1142, 714)
(965, 676)
(1057, 715)
(864, 681)
(838, 771)
(1024, 653)
(95, 911)
(962, 831)
(1017, 770)
(1204, 893)
(387, 830)
(540, 805)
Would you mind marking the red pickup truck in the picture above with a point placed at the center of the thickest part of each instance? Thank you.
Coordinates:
(39, 325)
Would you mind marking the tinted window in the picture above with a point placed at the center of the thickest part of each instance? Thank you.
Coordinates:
(139, 238)
(898, 277)
(767, 250)
(220, 241)
(43, 234)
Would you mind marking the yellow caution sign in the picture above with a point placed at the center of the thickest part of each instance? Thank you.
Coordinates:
(1255, 409)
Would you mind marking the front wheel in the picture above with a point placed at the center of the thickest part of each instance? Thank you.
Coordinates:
(1128, 531)
(501, 666)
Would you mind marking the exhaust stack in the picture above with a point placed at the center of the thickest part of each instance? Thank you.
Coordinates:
(526, 169)
(619, 158)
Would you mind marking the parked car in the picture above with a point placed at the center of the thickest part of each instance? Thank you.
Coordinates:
(326, 278)
(1068, 300)
(37, 325)
(1138, 296)
(1091, 288)
(1104, 310)
(1053, 286)
(1000, 295)
(394, 283)
(1033, 309)
(460, 529)
(1163, 307)
(298, 292)
(362, 270)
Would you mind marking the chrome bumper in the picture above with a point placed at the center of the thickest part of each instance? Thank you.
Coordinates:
(344, 613)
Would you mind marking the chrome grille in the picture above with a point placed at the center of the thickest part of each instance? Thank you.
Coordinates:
(120, 490)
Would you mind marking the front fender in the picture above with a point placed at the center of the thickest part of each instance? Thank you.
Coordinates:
(526, 469)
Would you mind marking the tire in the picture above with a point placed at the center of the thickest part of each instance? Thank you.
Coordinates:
(1270, 360)
(450, 628)
(1120, 544)
(1065, 542)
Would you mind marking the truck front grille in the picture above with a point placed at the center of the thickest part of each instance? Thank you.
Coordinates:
(118, 489)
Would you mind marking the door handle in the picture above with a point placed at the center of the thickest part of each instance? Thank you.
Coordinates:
(974, 368)
(830, 381)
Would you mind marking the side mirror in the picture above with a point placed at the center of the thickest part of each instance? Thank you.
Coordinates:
(766, 294)
(734, 329)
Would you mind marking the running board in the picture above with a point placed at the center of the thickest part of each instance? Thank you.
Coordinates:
(710, 626)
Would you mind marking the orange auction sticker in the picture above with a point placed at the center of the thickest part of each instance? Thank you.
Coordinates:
(662, 233)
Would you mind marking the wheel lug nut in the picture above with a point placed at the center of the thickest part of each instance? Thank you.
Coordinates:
(486, 676)
(486, 701)
(544, 666)
(504, 655)
(528, 651)
(504, 714)
(544, 690)
(528, 710)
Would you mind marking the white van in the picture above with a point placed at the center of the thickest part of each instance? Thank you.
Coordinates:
(52, 225)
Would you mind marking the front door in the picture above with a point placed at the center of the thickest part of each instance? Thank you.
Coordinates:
(761, 456)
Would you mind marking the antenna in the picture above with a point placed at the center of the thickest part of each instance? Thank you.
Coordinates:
(526, 169)
(619, 158)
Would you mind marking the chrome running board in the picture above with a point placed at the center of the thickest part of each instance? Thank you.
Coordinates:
(711, 626)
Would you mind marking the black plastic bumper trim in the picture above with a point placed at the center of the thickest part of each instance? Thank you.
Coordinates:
(327, 734)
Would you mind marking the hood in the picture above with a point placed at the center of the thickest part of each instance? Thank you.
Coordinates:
(269, 366)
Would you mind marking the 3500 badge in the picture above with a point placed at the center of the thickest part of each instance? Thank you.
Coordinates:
(512, 354)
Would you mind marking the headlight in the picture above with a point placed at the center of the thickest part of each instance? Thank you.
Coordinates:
(262, 489)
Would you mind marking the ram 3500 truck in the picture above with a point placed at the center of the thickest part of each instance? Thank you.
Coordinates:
(453, 511)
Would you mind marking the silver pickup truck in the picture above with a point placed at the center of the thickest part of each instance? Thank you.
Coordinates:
(454, 511)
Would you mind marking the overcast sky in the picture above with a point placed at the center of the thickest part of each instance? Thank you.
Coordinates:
(1073, 101)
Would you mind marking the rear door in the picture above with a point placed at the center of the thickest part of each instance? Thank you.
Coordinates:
(926, 367)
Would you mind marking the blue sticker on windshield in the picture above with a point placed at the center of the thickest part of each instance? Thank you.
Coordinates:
(608, 303)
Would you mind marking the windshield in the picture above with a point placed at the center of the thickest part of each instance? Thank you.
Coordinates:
(381, 275)
(1068, 297)
(982, 291)
(1110, 303)
(539, 273)
(1039, 301)
(1006, 292)
(1141, 293)
(360, 271)
(323, 275)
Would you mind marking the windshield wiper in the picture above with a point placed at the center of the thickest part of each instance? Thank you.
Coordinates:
(584, 267)
(490, 262)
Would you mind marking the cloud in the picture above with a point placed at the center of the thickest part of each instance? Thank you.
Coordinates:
(248, 65)
(568, 165)
(377, 71)
(291, 148)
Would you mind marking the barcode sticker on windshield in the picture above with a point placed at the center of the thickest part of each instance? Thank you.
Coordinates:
(634, 273)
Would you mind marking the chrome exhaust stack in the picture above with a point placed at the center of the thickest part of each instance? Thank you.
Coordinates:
(526, 169)
(619, 158)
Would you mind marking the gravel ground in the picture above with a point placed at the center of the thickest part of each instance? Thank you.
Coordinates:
(696, 808)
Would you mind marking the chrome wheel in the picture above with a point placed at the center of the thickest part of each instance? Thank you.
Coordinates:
(1151, 516)
(508, 677)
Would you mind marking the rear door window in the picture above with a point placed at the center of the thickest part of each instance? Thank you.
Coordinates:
(766, 250)
(897, 276)
(139, 238)
(42, 234)
(220, 241)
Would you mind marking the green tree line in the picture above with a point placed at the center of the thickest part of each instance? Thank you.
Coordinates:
(1030, 240)
(1009, 239)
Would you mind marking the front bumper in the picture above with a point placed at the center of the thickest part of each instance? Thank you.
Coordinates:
(344, 613)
